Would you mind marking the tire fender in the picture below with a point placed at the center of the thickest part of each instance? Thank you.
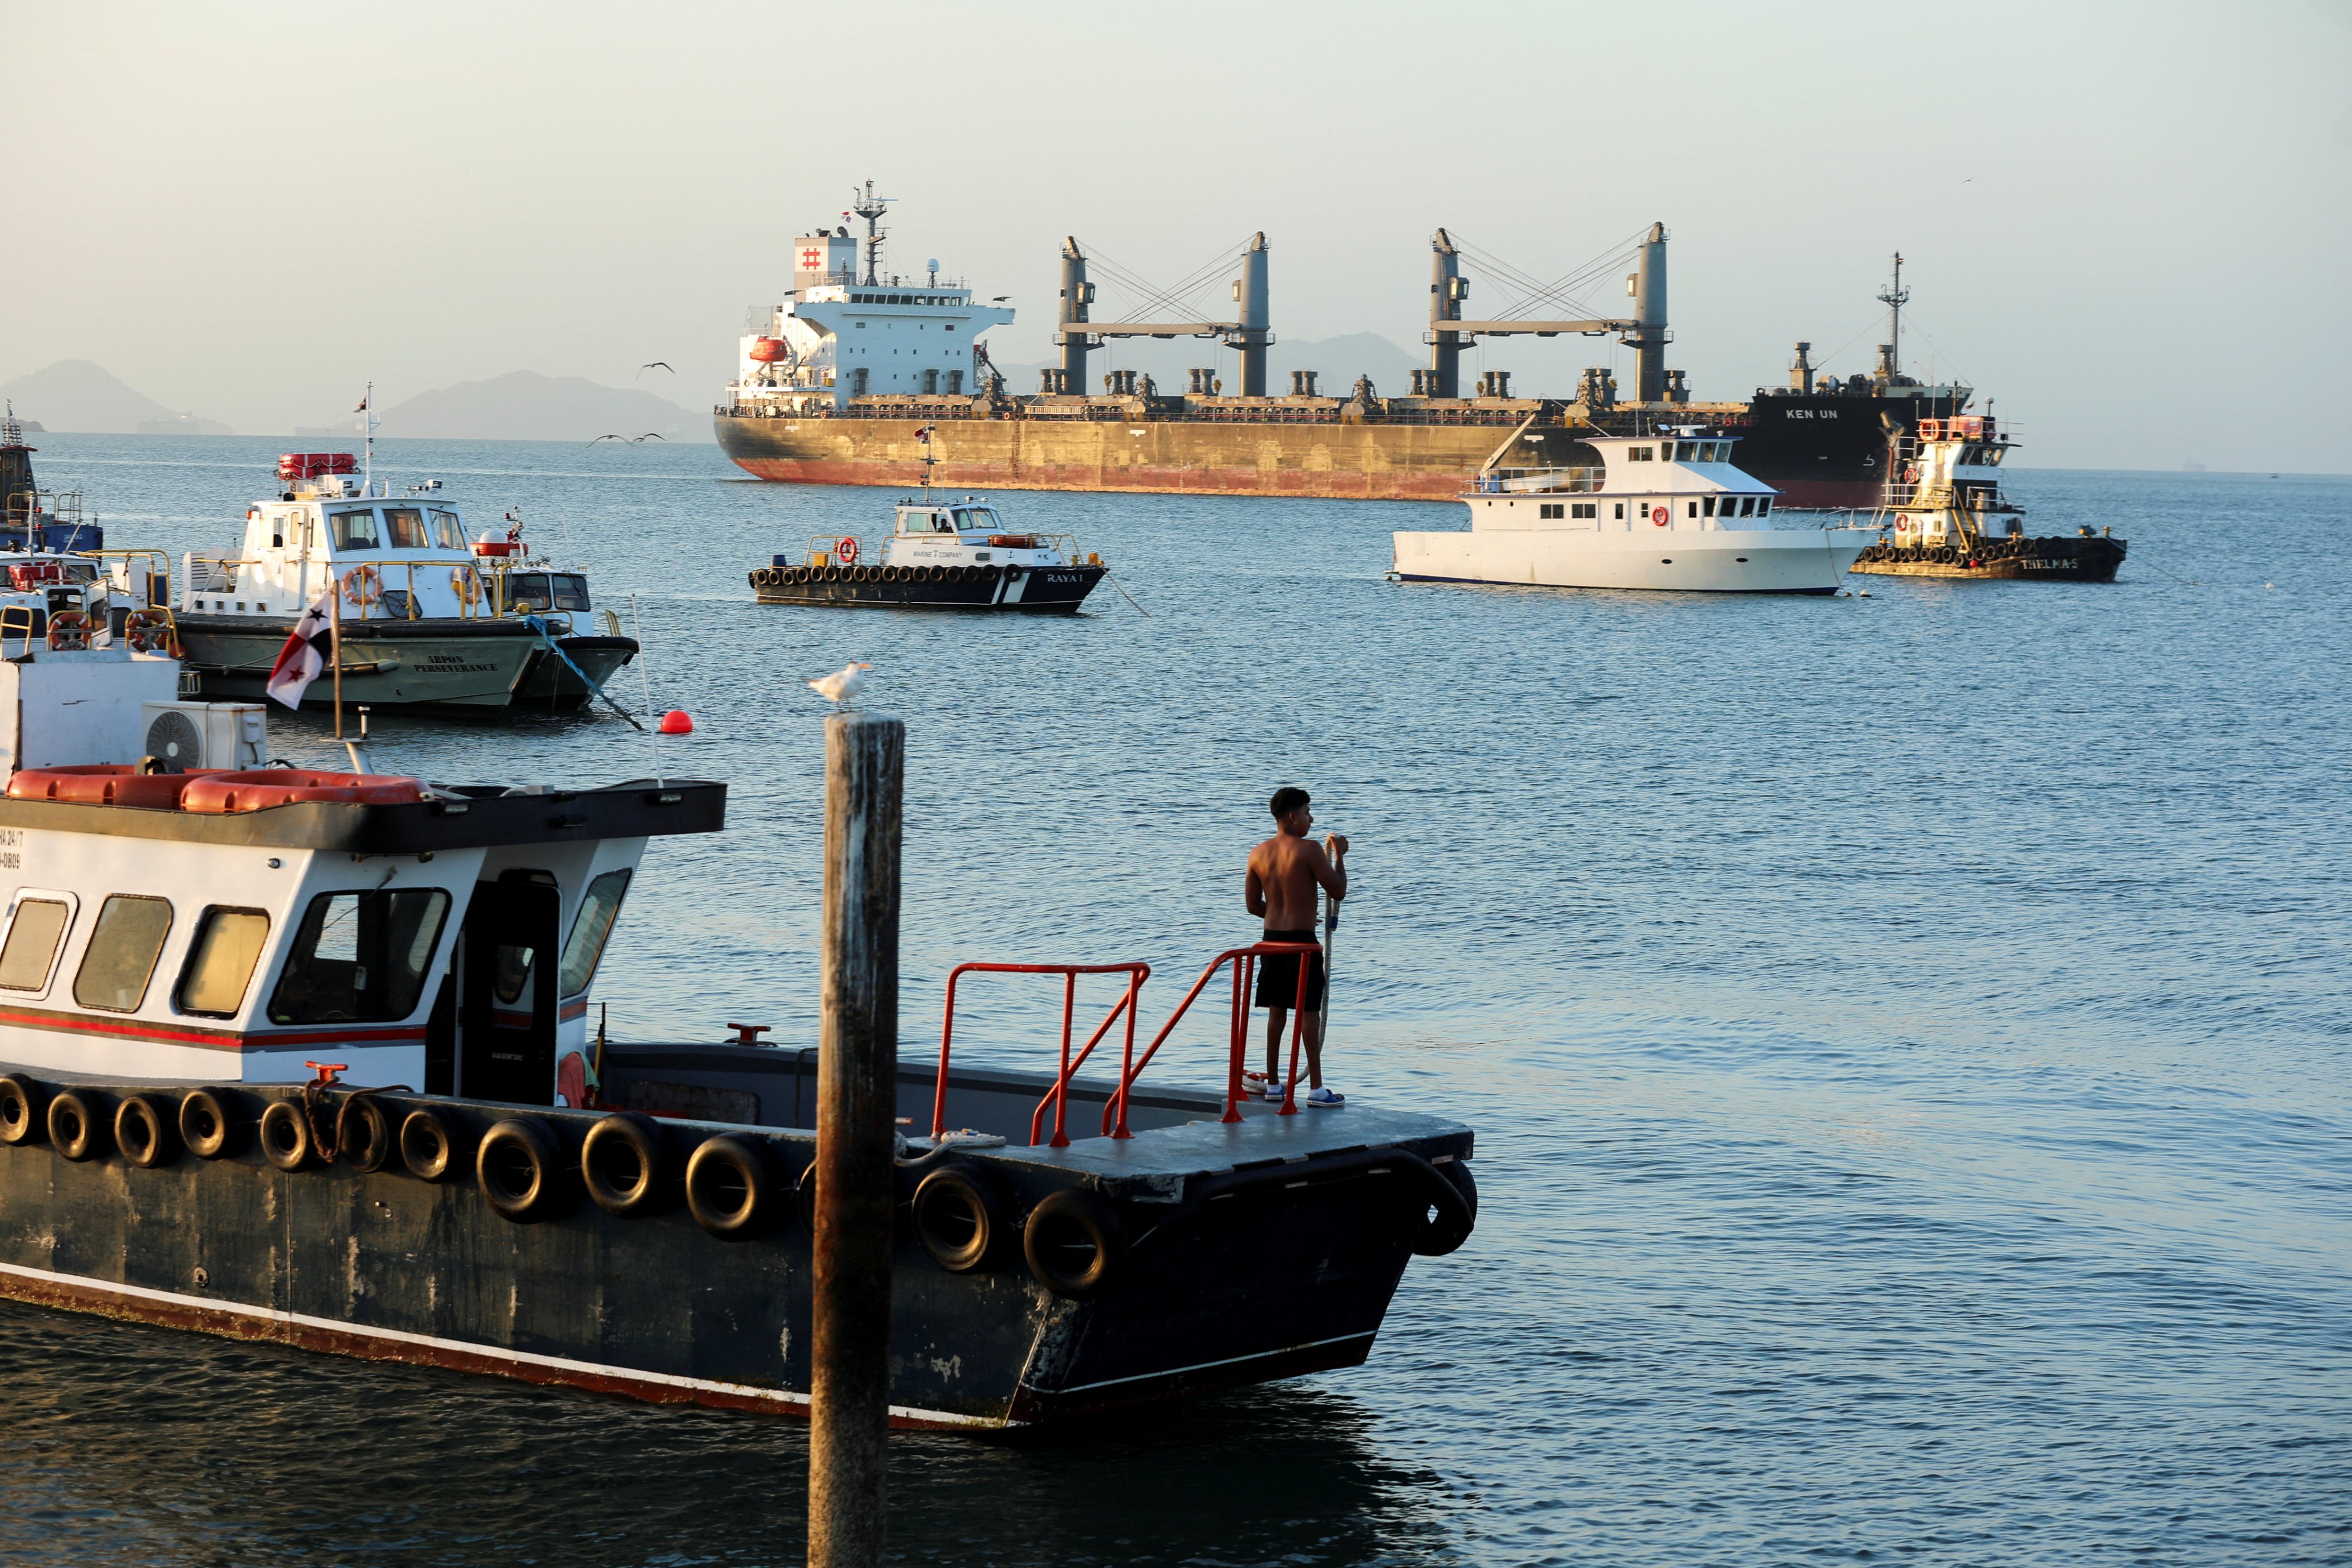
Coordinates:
(1074, 1243)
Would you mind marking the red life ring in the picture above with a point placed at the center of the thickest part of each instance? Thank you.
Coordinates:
(1658, 515)
(845, 550)
(1911, 475)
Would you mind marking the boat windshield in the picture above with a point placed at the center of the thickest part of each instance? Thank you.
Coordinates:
(979, 518)
(448, 532)
(404, 528)
(353, 530)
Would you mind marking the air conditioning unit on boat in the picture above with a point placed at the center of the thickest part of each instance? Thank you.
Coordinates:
(234, 735)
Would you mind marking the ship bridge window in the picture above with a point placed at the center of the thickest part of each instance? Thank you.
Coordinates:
(599, 908)
(221, 961)
(353, 530)
(405, 526)
(360, 957)
(447, 532)
(123, 948)
(32, 946)
(1640, 454)
(1686, 452)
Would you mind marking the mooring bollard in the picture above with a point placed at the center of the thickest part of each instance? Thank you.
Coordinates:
(856, 1099)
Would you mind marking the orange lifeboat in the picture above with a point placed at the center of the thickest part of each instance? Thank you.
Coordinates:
(258, 789)
(768, 351)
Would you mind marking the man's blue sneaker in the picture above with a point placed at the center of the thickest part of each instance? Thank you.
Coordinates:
(1325, 1100)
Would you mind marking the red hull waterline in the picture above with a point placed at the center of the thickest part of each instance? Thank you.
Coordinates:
(1325, 484)
(230, 1319)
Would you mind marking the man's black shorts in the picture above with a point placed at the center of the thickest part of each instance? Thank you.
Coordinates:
(1277, 974)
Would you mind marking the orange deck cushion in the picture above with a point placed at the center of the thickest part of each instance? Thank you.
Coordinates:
(107, 783)
(261, 788)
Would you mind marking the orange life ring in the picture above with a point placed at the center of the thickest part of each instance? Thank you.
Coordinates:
(362, 585)
(468, 586)
(68, 631)
(147, 631)
(1911, 475)
(845, 550)
(1659, 514)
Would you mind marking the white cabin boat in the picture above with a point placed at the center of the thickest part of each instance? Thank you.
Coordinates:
(1669, 511)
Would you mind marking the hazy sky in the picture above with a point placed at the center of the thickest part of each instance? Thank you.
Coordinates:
(2129, 224)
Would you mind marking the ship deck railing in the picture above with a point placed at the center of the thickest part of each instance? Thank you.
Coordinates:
(1537, 482)
(216, 572)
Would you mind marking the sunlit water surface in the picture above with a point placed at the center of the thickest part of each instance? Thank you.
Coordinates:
(1907, 1038)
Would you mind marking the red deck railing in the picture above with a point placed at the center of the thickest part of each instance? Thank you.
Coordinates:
(1244, 961)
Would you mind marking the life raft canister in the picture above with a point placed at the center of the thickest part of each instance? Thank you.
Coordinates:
(1658, 515)
(363, 584)
(845, 550)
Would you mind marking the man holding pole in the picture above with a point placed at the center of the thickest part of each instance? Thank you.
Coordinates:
(1284, 874)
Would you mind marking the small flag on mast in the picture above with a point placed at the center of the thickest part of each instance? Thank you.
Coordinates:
(362, 407)
(308, 648)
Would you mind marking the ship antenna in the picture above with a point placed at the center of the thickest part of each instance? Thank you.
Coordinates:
(1894, 298)
(367, 463)
(870, 206)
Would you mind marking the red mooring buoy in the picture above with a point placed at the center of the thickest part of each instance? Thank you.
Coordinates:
(676, 723)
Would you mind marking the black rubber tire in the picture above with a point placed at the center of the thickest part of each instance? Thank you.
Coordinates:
(205, 1125)
(145, 1132)
(1015, 573)
(76, 1121)
(364, 1134)
(623, 1164)
(20, 1110)
(889, 573)
(1075, 1244)
(1436, 1227)
(955, 1218)
(286, 1135)
(516, 1169)
(428, 1145)
(828, 573)
(728, 1188)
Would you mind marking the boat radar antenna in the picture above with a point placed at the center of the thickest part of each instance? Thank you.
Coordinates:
(1894, 298)
(870, 206)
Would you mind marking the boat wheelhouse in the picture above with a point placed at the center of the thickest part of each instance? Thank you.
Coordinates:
(940, 555)
(1668, 512)
(428, 619)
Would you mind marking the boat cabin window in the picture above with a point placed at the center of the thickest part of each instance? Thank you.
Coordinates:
(547, 591)
(32, 945)
(220, 960)
(590, 928)
(1686, 452)
(1641, 454)
(123, 948)
(447, 532)
(360, 957)
(353, 530)
(1763, 505)
(403, 526)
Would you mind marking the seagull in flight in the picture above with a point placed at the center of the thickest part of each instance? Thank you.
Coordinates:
(841, 686)
(634, 440)
(658, 364)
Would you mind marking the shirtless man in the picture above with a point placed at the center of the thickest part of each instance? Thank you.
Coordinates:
(1283, 873)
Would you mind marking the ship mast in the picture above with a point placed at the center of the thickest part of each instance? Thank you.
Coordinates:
(870, 206)
(1894, 298)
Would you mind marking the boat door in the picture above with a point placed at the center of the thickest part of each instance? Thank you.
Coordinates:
(506, 990)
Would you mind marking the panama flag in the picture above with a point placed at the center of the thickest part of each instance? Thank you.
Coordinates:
(304, 656)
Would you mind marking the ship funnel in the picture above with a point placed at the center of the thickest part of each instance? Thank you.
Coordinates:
(1447, 289)
(1648, 338)
(1077, 294)
(1250, 293)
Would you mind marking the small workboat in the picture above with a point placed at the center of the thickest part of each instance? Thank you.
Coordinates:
(428, 619)
(1946, 516)
(1669, 511)
(942, 555)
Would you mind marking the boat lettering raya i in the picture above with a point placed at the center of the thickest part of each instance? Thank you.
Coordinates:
(837, 384)
(188, 960)
(1668, 512)
(428, 619)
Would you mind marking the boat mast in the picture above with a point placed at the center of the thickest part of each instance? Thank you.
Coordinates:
(870, 206)
(1894, 299)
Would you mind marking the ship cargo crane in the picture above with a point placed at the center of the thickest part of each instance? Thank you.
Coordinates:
(1078, 335)
(1450, 331)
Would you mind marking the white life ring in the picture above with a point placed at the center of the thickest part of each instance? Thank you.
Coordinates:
(362, 585)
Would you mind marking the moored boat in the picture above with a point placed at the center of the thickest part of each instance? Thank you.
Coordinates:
(428, 619)
(1668, 512)
(1946, 516)
(940, 555)
(190, 962)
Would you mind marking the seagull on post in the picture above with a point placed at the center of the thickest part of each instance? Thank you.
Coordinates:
(841, 686)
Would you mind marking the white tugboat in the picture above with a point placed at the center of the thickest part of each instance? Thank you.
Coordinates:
(940, 555)
(428, 619)
(1668, 511)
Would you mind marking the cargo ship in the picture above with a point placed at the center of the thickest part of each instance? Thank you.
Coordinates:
(863, 373)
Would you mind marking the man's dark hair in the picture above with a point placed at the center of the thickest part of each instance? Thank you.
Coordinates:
(1287, 799)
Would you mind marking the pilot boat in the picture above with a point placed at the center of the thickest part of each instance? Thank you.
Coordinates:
(940, 555)
(205, 976)
(428, 618)
(1946, 516)
(1668, 511)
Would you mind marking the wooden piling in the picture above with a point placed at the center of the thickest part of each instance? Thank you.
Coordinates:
(856, 1093)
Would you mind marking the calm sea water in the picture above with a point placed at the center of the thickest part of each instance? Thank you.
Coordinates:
(1908, 1039)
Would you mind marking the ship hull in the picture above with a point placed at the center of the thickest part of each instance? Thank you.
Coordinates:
(1818, 450)
(2059, 560)
(382, 1264)
(1037, 591)
(473, 665)
(1726, 561)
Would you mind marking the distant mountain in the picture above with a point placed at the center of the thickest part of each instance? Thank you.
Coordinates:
(524, 406)
(1340, 360)
(75, 394)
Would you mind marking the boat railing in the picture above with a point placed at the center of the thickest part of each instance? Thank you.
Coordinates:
(1244, 961)
(1535, 481)
(1058, 1097)
(359, 592)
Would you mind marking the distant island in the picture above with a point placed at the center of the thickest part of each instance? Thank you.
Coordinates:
(75, 394)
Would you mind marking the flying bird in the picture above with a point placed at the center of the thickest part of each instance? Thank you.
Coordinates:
(658, 364)
(634, 440)
(840, 687)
